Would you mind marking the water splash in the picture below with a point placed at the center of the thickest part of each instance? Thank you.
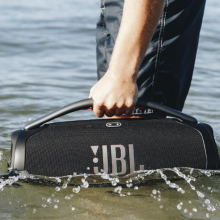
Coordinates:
(1, 155)
(132, 181)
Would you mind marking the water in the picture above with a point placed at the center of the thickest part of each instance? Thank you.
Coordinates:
(47, 60)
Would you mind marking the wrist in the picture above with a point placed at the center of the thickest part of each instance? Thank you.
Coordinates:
(123, 74)
(123, 68)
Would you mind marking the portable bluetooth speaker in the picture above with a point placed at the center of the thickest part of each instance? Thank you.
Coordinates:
(114, 146)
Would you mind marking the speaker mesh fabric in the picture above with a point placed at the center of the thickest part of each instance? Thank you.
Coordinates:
(64, 148)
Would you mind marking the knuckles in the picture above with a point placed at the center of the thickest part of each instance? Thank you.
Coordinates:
(99, 104)
(111, 108)
(129, 103)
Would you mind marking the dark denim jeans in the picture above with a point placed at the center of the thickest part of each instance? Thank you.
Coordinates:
(166, 71)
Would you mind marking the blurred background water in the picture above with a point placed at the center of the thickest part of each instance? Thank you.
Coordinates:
(47, 60)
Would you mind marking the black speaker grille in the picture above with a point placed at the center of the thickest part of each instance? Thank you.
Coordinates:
(64, 148)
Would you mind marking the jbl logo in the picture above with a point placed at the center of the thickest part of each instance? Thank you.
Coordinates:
(114, 159)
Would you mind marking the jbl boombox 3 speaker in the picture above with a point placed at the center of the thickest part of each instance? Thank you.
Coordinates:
(114, 146)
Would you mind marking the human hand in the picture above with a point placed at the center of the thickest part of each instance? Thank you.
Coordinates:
(114, 95)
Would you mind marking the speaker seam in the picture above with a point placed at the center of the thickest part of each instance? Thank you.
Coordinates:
(202, 141)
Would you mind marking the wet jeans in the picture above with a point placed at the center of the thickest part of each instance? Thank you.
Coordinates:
(165, 73)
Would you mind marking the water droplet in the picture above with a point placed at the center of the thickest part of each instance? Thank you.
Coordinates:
(85, 184)
(192, 187)
(190, 202)
(179, 207)
(207, 173)
(129, 185)
(58, 180)
(34, 211)
(118, 189)
(67, 197)
(161, 206)
(201, 195)
(154, 191)
(57, 189)
(173, 185)
(64, 186)
(136, 188)
(95, 160)
(49, 200)
(207, 201)
(73, 209)
(105, 176)
(122, 195)
(56, 206)
(185, 210)
(76, 190)
(207, 215)
(44, 205)
(209, 208)
(194, 210)
(88, 168)
(114, 183)
(128, 193)
(213, 209)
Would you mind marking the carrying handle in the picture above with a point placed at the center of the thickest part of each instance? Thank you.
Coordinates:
(88, 103)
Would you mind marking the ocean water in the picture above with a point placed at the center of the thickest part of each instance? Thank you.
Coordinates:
(47, 60)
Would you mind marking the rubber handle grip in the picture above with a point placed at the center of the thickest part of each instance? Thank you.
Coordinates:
(88, 103)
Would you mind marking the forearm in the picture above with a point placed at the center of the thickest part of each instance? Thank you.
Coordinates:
(116, 92)
(139, 21)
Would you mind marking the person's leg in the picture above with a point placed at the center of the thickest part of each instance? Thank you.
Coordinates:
(166, 70)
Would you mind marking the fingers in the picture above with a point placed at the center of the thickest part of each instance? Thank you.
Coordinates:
(110, 108)
(91, 93)
(98, 109)
(109, 113)
(120, 111)
(129, 107)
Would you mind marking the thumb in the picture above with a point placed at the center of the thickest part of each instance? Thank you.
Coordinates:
(90, 93)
